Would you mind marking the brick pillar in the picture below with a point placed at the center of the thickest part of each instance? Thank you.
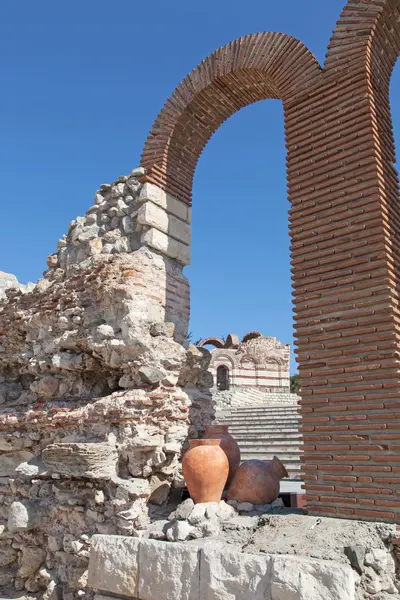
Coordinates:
(345, 233)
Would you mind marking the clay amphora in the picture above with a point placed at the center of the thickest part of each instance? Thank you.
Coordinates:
(205, 468)
(228, 444)
(257, 481)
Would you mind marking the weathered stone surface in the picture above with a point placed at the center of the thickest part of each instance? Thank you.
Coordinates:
(198, 514)
(114, 564)
(7, 555)
(152, 193)
(168, 571)
(31, 560)
(92, 460)
(229, 574)
(151, 375)
(154, 216)
(9, 281)
(31, 468)
(185, 509)
(303, 579)
(160, 489)
(157, 530)
(179, 531)
(356, 555)
(166, 245)
(22, 516)
(132, 488)
(10, 461)
(377, 559)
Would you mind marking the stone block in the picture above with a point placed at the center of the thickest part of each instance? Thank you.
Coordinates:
(23, 516)
(295, 578)
(92, 460)
(169, 571)
(229, 574)
(114, 564)
(154, 216)
(166, 245)
(152, 193)
(10, 461)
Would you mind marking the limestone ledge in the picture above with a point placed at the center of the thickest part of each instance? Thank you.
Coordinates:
(154, 570)
(120, 406)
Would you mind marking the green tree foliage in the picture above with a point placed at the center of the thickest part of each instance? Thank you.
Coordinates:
(295, 384)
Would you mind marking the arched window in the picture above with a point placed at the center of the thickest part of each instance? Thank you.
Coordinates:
(222, 378)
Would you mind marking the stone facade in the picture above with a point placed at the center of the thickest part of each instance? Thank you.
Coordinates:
(254, 371)
(256, 361)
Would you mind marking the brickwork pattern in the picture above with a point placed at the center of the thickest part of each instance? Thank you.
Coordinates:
(345, 230)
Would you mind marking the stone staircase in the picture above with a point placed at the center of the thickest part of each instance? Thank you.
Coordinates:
(243, 397)
(266, 431)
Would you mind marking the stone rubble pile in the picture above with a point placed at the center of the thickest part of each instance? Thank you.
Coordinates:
(195, 521)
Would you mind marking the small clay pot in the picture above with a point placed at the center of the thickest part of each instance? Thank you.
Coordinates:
(228, 444)
(205, 468)
(257, 481)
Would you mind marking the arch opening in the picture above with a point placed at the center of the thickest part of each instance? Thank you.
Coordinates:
(223, 379)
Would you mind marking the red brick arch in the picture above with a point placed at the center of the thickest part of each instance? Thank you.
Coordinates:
(249, 69)
(345, 232)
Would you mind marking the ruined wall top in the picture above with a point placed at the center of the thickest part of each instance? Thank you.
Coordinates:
(9, 281)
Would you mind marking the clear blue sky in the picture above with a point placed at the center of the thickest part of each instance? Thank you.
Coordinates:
(82, 82)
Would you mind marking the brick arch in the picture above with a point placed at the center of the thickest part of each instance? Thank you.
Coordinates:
(345, 234)
(365, 32)
(252, 68)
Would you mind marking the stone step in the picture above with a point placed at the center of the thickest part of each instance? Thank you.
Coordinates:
(290, 463)
(268, 437)
(262, 415)
(264, 429)
(275, 450)
(265, 408)
(287, 459)
(279, 444)
(262, 422)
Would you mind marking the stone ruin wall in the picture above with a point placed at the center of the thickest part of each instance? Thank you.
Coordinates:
(97, 393)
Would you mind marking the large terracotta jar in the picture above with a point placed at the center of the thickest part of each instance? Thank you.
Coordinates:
(205, 468)
(257, 481)
(228, 444)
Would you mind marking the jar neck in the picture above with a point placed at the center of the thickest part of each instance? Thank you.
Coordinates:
(279, 468)
(217, 428)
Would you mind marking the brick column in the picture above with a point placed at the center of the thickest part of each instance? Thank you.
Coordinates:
(345, 232)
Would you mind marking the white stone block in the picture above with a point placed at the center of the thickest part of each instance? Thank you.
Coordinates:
(152, 193)
(114, 564)
(169, 571)
(166, 245)
(152, 215)
(295, 578)
(228, 574)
